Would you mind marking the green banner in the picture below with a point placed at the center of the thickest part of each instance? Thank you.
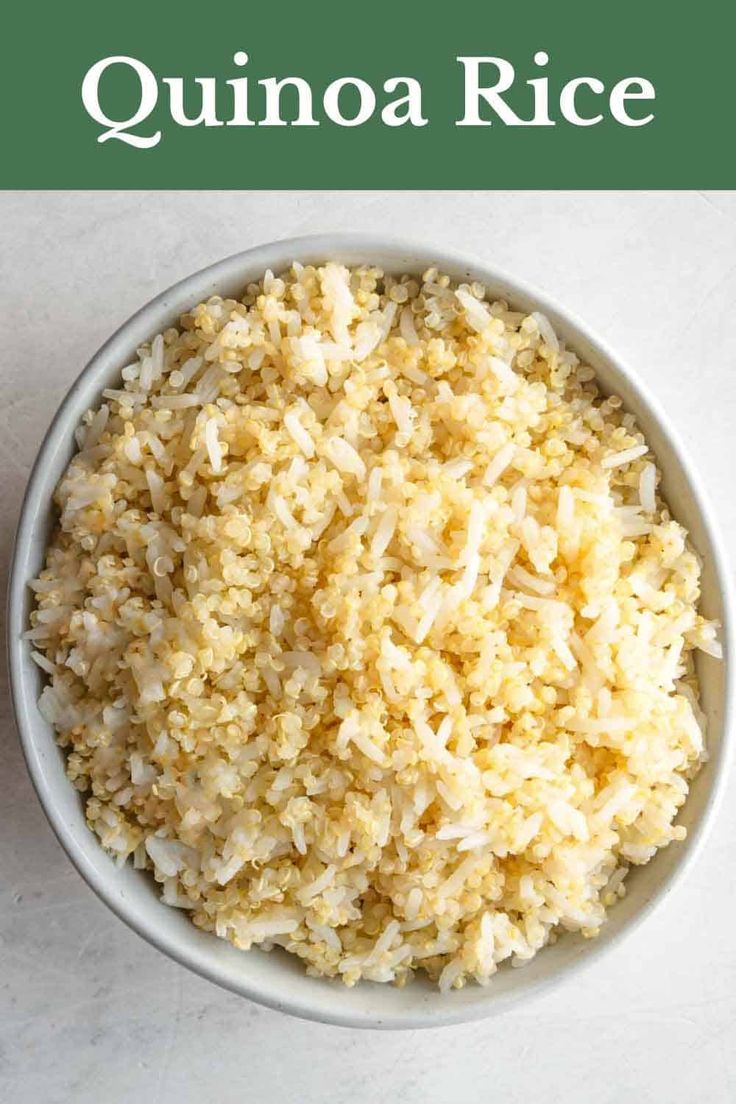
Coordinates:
(572, 94)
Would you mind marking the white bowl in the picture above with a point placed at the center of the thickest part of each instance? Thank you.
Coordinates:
(278, 979)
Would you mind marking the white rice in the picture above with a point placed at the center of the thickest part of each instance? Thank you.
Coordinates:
(366, 632)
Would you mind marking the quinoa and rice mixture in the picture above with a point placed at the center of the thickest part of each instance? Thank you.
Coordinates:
(366, 630)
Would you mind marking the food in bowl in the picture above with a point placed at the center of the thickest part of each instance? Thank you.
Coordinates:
(367, 631)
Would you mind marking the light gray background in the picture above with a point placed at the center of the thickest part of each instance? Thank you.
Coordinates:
(91, 1013)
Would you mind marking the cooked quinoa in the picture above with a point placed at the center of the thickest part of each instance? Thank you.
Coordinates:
(366, 630)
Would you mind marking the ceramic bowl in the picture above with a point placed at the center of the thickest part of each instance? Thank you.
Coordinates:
(277, 979)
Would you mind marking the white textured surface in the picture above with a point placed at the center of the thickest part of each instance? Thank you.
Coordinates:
(88, 1011)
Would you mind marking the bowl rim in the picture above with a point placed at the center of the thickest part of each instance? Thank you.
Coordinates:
(381, 250)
